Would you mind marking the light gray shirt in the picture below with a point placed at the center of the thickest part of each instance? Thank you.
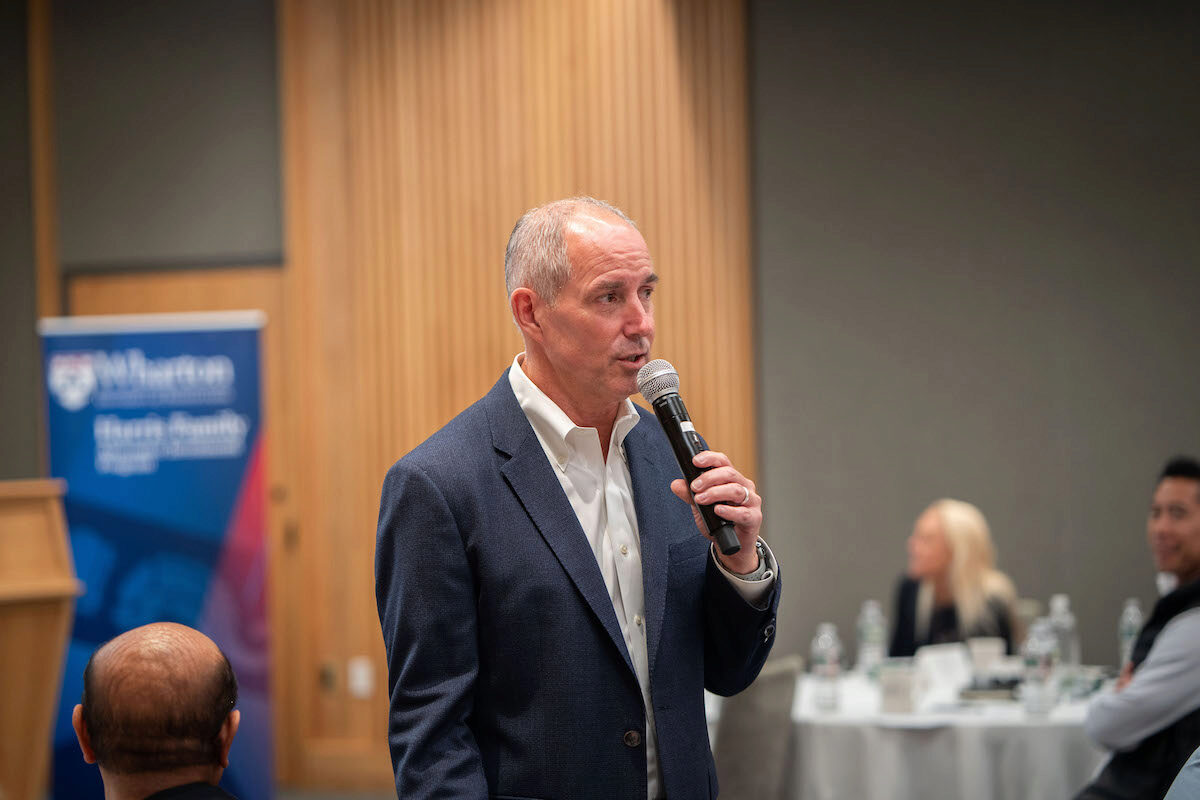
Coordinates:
(1187, 782)
(1164, 689)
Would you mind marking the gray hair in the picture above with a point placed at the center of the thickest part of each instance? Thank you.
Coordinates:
(536, 256)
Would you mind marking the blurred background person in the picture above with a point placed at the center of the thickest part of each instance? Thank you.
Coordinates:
(157, 714)
(951, 590)
(1151, 718)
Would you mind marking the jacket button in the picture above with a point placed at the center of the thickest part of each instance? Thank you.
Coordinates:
(633, 738)
(768, 631)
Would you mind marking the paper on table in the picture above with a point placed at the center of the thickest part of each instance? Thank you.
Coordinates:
(943, 670)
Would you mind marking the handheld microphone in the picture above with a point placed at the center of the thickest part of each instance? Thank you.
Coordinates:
(659, 384)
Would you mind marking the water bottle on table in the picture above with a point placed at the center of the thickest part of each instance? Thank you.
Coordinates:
(872, 634)
(1063, 622)
(1039, 655)
(1128, 628)
(826, 667)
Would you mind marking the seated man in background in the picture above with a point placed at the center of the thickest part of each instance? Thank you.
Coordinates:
(158, 715)
(1152, 717)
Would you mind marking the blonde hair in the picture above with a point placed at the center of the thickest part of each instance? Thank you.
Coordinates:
(974, 579)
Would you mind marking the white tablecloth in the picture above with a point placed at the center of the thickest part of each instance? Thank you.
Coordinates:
(981, 751)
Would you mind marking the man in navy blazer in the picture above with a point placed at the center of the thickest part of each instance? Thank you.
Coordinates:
(550, 611)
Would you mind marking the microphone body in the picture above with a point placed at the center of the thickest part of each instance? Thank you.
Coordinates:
(686, 443)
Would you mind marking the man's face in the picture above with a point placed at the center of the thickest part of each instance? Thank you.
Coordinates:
(1174, 528)
(599, 330)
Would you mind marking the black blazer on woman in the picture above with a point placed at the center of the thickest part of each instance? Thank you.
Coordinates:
(943, 623)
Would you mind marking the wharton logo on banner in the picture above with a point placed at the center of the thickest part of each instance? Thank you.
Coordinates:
(71, 379)
(126, 378)
(154, 422)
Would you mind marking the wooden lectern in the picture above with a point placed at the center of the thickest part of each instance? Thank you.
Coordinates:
(37, 600)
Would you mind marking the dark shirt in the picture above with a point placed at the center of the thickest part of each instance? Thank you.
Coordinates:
(943, 623)
(193, 791)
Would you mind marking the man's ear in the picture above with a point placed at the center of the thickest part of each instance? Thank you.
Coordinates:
(525, 304)
(81, 733)
(225, 737)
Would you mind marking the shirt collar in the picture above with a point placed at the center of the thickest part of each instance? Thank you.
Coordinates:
(552, 424)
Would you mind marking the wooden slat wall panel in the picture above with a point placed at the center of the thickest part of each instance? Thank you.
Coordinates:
(415, 134)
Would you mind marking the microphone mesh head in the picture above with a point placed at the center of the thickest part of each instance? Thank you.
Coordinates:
(657, 378)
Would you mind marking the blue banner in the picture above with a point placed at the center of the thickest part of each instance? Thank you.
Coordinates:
(154, 422)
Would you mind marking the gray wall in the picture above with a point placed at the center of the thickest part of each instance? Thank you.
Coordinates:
(168, 133)
(19, 369)
(166, 117)
(977, 277)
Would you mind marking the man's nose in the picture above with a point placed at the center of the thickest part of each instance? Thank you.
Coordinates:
(641, 319)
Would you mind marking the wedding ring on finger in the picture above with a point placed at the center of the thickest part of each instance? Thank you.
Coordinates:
(745, 496)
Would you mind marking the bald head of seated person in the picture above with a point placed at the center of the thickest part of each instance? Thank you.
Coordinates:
(157, 714)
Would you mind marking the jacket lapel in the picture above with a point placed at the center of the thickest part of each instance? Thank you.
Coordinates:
(652, 500)
(532, 479)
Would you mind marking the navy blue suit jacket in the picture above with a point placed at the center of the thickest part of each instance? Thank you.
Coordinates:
(507, 670)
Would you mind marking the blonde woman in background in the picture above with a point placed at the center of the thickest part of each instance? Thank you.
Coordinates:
(952, 590)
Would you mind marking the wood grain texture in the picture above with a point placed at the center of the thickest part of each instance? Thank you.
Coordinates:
(37, 600)
(415, 134)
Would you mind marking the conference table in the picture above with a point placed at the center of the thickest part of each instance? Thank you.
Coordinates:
(982, 750)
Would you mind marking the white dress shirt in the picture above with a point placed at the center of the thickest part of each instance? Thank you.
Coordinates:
(601, 494)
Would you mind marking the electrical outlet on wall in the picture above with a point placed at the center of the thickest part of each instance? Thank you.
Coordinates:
(360, 677)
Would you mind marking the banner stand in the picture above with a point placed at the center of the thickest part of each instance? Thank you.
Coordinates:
(154, 422)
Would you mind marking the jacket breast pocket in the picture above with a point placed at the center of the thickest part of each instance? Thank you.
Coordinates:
(687, 550)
